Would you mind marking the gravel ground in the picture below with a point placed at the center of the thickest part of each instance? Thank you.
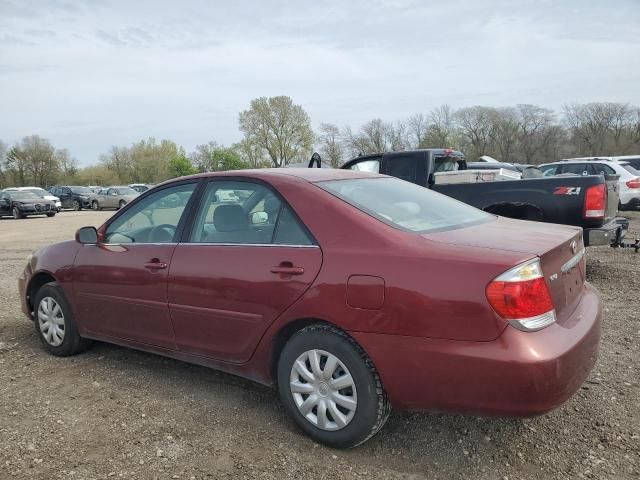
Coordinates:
(118, 413)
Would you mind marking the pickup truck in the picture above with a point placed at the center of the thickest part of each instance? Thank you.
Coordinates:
(590, 202)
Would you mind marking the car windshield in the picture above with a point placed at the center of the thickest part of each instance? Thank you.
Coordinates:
(405, 205)
(39, 192)
(81, 190)
(126, 191)
(23, 195)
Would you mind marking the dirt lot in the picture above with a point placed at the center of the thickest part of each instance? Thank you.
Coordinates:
(117, 413)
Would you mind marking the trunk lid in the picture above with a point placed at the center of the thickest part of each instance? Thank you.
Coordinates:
(559, 247)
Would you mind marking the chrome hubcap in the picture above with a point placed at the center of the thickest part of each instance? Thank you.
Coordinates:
(323, 390)
(51, 321)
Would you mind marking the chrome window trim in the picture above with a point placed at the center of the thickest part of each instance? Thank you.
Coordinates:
(206, 244)
(210, 244)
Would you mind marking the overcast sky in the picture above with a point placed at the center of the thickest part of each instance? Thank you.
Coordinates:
(88, 75)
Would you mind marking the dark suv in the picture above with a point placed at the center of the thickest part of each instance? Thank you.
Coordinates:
(72, 197)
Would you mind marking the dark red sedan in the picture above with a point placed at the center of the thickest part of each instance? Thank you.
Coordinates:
(350, 292)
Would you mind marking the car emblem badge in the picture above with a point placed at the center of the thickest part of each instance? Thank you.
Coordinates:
(574, 246)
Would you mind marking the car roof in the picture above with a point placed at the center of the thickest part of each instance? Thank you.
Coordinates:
(311, 175)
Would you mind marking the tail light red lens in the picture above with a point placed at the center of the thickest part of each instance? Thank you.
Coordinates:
(595, 201)
(634, 183)
(521, 296)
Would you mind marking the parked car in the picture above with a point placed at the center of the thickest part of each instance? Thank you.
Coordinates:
(40, 192)
(20, 204)
(113, 197)
(589, 202)
(73, 197)
(633, 160)
(348, 291)
(628, 181)
(140, 187)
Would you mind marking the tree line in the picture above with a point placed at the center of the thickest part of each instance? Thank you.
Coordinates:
(277, 132)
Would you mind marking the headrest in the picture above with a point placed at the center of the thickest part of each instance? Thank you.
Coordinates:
(229, 218)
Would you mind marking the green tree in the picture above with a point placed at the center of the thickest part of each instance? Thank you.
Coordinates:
(180, 166)
(211, 157)
(280, 128)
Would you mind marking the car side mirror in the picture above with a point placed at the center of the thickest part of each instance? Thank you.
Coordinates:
(87, 236)
(258, 218)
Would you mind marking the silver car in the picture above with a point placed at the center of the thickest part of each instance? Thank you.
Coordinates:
(113, 197)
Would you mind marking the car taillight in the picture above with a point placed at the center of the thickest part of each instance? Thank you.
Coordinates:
(595, 199)
(634, 183)
(521, 297)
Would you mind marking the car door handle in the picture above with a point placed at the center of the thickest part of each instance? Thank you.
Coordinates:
(287, 269)
(155, 265)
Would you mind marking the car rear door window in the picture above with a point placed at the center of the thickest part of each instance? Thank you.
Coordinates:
(245, 213)
(576, 168)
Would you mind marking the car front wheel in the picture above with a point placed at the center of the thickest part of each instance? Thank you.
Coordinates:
(330, 387)
(55, 324)
(122, 204)
(76, 205)
(16, 213)
(94, 205)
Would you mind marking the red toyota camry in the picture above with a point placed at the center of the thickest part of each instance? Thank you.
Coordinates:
(350, 292)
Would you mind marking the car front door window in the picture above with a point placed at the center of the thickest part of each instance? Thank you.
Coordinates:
(155, 219)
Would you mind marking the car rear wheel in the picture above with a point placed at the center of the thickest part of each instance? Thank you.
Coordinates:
(122, 204)
(55, 324)
(330, 387)
(76, 205)
(51, 214)
(15, 212)
(95, 205)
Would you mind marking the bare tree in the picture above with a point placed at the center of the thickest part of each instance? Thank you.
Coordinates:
(476, 127)
(504, 134)
(280, 127)
(441, 130)
(331, 147)
(417, 126)
(32, 161)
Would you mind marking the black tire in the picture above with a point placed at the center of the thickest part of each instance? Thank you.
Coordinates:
(95, 205)
(76, 206)
(72, 343)
(15, 211)
(372, 409)
(121, 204)
(51, 214)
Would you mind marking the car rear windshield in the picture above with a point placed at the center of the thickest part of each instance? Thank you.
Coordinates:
(81, 190)
(631, 170)
(405, 205)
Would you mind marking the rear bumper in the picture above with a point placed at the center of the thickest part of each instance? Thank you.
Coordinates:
(632, 204)
(611, 233)
(518, 374)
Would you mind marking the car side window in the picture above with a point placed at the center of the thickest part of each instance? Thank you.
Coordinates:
(576, 168)
(600, 169)
(155, 219)
(245, 213)
(549, 170)
(403, 167)
(372, 166)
